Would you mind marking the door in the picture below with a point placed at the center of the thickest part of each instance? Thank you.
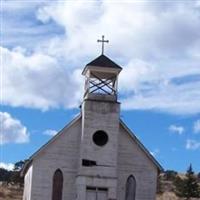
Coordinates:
(96, 193)
(102, 195)
(91, 195)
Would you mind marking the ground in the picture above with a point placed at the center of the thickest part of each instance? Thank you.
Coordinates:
(15, 193)
(11, 193)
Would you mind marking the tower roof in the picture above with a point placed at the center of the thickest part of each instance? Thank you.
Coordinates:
(104, 62)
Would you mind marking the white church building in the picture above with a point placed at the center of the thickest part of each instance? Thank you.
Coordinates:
(95, 156)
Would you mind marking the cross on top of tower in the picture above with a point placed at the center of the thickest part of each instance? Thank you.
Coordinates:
(103, 41)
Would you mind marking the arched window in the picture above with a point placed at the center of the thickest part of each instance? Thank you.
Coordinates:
(130, 188)
(57, 185)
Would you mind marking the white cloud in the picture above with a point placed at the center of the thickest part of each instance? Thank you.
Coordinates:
(50, 132)
(38, 81)
(177, 129)
(197, 126)
(8, 166)
(155, 42)
(192, 144)
(134, 73)
(164, 96)
(12, 130)
(141, 27)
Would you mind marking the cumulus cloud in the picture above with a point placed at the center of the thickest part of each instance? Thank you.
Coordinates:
(141, 27)
(38, 81)
(8, 166)
(12, 130)
(192, 144)
(164, 100)
(156, 44)
(50, 132)
(176, 129)
(196, 127)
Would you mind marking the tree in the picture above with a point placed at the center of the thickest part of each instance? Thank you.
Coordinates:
(5, 175)
(18, 165)
(159, 185)
(179, 186)
(16, 179)
(15, 176)
(187, 187)
(170, 175)
(198, 177)
(191, 186)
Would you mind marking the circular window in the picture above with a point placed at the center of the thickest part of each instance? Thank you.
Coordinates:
(100, 138)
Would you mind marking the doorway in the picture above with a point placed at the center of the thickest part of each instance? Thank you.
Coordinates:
(94, 193)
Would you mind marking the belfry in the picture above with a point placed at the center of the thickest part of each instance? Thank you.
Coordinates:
(95, 156)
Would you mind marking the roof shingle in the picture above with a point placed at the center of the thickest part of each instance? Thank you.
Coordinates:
(103, 61)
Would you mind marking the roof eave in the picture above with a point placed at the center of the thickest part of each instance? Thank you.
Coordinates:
(114, 70)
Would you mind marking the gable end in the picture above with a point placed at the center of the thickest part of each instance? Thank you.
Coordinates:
(142, 147)
(29, 161)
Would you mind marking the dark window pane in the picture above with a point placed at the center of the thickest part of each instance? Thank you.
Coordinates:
(130, 188)
(57, 185)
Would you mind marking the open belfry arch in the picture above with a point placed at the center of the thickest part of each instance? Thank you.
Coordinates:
(96, 156)
(99, 82)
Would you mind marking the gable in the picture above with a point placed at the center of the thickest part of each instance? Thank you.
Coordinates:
(52, 142)
(135, 145)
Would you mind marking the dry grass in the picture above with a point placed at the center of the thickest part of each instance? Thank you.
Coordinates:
(15, 193)
(171, 196)
(167, 196)
(10, 193)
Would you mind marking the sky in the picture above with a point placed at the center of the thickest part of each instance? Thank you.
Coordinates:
(46, 44)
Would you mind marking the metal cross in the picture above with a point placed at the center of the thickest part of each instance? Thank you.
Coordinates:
(103, 43)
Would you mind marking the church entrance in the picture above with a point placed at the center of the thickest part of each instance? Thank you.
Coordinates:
(94, 193)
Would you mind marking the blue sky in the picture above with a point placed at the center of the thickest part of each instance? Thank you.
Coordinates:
(45, 46)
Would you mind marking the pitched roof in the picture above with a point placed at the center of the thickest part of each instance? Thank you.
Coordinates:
(103, 61)
(29, 161)
(142, 147)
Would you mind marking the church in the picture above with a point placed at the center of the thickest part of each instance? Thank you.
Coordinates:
(95, 156)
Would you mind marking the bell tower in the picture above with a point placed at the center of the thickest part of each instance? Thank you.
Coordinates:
(101, 77)
(100, 127)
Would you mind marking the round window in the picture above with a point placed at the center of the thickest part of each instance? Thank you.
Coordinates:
(100, 138)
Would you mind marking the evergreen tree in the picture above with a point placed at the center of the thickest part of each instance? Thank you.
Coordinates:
(5, 175)
(170, 175)
(179, 186)
(191, 187)
(18, 165)
(187, 187)
(198, 177)
(15, 176)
